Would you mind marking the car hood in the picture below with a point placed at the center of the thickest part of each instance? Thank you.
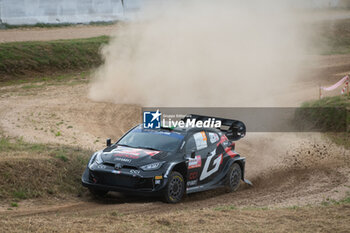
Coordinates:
(132, 156)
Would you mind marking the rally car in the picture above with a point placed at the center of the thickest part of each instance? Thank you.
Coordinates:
(169, 161)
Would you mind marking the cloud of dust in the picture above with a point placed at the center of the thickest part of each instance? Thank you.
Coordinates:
(203, 53)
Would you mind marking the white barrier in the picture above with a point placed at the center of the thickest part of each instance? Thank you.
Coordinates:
(345, 80)
(63, 11)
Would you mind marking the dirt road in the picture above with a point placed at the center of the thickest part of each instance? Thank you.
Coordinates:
(45, 34)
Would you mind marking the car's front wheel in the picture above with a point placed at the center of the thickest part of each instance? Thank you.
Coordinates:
(233, 178)
(175, 188)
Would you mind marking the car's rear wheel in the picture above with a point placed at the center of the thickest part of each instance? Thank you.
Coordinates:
(175, 188)
(233, 178)
(98, 192)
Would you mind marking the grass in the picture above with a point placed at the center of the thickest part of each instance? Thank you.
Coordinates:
(58, 134)
(331, 114)
(329, 202)
(38, 57)
(225, 208)
(335, 101)
(31, 86)
(14, 204)
(40, 170)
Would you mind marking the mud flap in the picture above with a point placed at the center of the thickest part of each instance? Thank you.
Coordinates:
(248, 182)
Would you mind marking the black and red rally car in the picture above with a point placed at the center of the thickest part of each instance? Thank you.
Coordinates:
(169, 162)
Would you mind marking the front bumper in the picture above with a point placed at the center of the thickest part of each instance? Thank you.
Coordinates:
(124, 181)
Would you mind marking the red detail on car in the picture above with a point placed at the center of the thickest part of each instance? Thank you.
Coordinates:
(229, 151)
(194, 163)
(151, 153)
(222, 159)
(222, 139)
(193, 175)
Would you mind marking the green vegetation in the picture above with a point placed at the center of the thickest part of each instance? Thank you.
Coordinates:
(330, 114)
(58, 134)
(38, 57)
(225, 208)
(335, 101)
(14, 204)
(329, 202)
(38, 170)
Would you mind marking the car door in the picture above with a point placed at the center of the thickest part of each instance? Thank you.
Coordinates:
(205, 163)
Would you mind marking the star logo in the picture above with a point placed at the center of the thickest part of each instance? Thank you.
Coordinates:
(151, 120)
(156, 115)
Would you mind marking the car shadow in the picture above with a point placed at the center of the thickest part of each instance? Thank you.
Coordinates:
(113, 198)
(121, 198)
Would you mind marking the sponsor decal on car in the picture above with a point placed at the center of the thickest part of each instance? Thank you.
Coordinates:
(210, 160)
(194, 163)
(126, 150)
(192, 182)
(122, 159)
(200, 140)
(132, 153)
(213, 137)
(126, 155)
(193, 176)
(135, 172)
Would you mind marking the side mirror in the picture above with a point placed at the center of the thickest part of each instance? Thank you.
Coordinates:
(193, 154)
(108, 142)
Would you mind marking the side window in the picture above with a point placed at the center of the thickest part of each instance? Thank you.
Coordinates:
(213, 137)
(190, 144)
(197, 141)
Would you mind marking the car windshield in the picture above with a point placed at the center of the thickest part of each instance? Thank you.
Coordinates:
(152, 139)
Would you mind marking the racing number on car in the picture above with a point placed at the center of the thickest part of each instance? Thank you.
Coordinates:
(216, 163)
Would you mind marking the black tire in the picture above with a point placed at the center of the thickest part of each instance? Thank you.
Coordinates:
(174, 189)
(233, 178)
(98, 193)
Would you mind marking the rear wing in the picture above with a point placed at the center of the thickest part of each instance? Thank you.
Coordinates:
(233, 129)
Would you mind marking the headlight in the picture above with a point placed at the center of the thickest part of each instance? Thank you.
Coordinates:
(152, 166)
(96, 158)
